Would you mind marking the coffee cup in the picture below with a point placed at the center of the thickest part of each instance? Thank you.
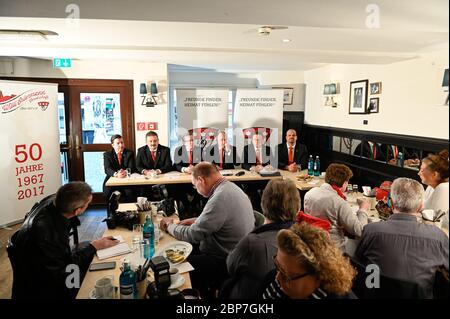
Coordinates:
(104, 288)
(174, 274)
(428, 214)
(366, 190)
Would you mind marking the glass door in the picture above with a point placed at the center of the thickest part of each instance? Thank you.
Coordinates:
(97, 112)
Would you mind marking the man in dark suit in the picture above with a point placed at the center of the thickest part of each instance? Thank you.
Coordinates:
(153, 158)
(291, 153)
(222, 154)
(256, 155)
(116, 163)
(185, 158)
(187, 155)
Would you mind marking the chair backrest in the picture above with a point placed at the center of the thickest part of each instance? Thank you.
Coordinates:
(390, 288)
(441, 284)
(259, 218)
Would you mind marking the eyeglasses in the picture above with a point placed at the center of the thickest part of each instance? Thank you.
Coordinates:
(283, 275)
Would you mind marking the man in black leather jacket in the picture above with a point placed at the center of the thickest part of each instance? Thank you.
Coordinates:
(42, 260)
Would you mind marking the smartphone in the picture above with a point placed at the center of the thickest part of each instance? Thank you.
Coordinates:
(103, 266)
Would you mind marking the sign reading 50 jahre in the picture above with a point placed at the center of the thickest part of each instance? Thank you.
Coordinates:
(29, 138)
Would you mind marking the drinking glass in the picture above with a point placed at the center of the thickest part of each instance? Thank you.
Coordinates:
(128, 172)
(299, 168)
(355, 189)
(137, 234)
(157, 233)
(349, 189)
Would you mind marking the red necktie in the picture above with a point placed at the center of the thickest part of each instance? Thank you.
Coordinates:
(119, 158)
(395, 151)
(190, 157)
(154, 156)
(374, 151)
(258, 157)
(291, 155)
(221, 157)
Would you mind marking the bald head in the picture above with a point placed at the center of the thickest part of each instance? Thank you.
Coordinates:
(204, 176)
(291, 136)
(205, 169)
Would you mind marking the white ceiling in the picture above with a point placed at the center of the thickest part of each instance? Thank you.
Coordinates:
(221, 35)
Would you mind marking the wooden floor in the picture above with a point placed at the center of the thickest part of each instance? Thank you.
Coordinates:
(91, 228)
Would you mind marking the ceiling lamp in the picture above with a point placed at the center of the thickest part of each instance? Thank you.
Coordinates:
(13, 34)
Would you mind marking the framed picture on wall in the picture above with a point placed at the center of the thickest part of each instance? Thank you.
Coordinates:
(375, 88)
(374, 105)
(288, 95)
(358, 97)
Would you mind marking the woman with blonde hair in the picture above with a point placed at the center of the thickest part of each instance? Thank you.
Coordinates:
(434, 173)
(309, 266)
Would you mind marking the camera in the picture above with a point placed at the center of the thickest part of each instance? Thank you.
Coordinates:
(114, 218)
(159, 289)
(162, 201)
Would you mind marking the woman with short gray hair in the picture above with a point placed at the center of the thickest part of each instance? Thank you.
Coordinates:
(252, 259)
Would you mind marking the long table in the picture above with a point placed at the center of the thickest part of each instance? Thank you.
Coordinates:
(92, 276)
(183, 178)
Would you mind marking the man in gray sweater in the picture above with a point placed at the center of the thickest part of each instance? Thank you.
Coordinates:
(226, 218)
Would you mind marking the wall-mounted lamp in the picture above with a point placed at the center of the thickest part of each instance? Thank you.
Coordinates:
(148, 99)
(445, 84)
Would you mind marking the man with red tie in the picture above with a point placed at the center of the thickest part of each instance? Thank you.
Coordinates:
(291, 153)
(187, 155)
(153, 157)
(256, 155)
(116, 162)
(222, 154)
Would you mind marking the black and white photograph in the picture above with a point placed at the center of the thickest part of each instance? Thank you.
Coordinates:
(373, 105)
(358, 97)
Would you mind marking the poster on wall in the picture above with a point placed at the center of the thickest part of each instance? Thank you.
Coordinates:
(260, 110)
(202, 112)
(30, 168)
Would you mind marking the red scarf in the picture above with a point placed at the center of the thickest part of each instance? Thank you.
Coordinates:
(339, 192)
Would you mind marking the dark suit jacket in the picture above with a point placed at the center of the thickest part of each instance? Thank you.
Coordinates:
(367, 151)
(181, 157)
(41, 253)
(212, 155)
(144, 159)
(300, 155)
(111, 162)
(249, 156)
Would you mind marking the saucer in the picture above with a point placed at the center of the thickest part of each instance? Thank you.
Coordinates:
(180, 282)
(92, 294)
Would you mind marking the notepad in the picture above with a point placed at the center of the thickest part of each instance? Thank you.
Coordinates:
(120, 249)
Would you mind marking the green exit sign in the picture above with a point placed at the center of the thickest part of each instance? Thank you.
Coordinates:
(62, 63)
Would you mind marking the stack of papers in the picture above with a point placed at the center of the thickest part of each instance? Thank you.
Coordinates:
(120, 249)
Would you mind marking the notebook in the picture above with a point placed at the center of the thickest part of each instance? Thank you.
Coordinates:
(120, 249)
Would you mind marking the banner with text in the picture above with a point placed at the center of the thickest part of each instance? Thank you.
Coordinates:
(202, 110)
(259, 109)
(31, 165)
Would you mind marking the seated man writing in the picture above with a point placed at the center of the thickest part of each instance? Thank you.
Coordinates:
(226, 218)
(44, 266)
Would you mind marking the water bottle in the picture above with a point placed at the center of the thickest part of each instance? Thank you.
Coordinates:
(148, 233)
(317, 166)
(310, 166)
(400, 159)
(127, 282)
